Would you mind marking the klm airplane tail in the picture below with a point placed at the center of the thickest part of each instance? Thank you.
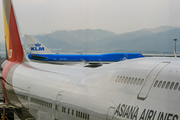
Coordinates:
(35, 46)
(15, 49)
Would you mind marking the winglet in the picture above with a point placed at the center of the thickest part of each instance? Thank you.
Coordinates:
(14, 45)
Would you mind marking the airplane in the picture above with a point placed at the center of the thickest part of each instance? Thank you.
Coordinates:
(41, 53)
(137, 89)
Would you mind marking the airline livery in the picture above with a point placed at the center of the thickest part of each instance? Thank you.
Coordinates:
(41, 53)
(137, 89)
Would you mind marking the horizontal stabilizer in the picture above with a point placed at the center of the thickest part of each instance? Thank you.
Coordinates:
(36, 57)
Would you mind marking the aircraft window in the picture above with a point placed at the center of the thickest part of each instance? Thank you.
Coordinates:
(132, 81)
(119, 79)
(72, 112)
(135, 81)
(81, 114)
(155, 84)
(56, 107)
(76, 113)
(88, 117)
(123, 79)
(142, 81)
(159, 84)
(68, 110)
(167, 85)
(85, 116)
(164, 83)
(116, 78)
(172, 85)
(138, 81)
(126, 79)
(129, 80)
(176, 86)
(44, 103)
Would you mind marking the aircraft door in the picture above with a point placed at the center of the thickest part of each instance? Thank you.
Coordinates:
(110, 113)
(57, 107)
(150, 80)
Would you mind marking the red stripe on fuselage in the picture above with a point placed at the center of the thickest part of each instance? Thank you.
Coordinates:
(14, 39)
(6, 70)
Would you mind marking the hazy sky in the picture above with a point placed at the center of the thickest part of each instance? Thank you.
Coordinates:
(119, 16)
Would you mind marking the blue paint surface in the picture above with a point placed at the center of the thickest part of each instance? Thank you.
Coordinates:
(109, 57)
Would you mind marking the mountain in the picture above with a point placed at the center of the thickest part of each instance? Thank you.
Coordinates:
(151, 40)
(144, 41)
(75, 40)
(86, 35)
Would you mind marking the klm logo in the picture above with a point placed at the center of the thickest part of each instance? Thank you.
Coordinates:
(37, 47)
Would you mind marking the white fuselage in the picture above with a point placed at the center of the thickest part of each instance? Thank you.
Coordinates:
(122, 90)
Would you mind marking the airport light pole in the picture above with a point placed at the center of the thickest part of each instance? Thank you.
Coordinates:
(175, 44)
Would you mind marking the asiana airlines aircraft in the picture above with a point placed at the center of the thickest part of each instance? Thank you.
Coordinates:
(137, 89)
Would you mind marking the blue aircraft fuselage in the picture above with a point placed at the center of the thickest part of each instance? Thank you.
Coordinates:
(109, 57)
